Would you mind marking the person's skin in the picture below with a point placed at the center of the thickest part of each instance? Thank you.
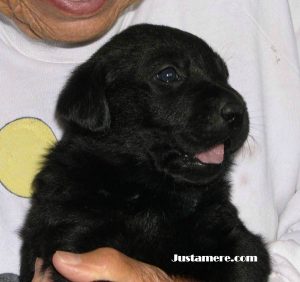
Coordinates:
(104, 264)
(41, 19)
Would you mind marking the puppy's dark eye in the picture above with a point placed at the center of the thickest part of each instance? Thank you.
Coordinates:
(168, 75)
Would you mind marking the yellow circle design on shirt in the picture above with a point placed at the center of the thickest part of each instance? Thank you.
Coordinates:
(23, 143)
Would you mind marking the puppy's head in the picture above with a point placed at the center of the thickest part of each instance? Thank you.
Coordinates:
(163, 97)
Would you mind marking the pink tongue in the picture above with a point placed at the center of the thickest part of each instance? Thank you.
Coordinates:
(214, 155)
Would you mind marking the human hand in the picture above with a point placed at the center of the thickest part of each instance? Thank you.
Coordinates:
(40, 276)
(103, 264)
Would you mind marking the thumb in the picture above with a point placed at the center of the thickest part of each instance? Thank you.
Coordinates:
(105, 264)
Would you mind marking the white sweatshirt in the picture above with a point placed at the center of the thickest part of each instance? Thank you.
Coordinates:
(257, 39)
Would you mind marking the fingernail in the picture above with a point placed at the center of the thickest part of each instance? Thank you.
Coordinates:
(38, 264)
(68, 258)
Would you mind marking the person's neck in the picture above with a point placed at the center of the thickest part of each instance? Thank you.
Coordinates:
(51, 52)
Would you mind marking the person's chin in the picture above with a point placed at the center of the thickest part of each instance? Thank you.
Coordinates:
(69, 21)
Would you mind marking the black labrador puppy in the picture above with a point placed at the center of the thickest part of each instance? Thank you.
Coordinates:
(151, 128)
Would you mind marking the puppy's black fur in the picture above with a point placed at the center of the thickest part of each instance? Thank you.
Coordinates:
(128, 172)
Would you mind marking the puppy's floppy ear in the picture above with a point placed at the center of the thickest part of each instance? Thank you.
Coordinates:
(82, 102)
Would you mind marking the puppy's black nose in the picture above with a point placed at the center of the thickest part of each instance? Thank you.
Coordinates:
(232, 112)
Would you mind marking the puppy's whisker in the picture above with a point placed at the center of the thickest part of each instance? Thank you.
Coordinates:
(249, 147)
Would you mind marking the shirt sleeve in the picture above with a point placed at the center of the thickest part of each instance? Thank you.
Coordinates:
(285, 251)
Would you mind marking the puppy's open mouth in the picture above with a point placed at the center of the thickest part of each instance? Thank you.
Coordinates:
(214, 155)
